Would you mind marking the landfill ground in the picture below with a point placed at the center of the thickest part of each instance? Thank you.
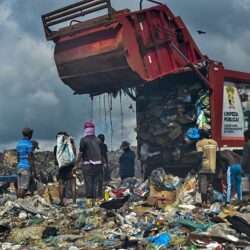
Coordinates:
(161, 213)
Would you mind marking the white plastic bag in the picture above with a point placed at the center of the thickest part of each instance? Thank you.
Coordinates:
(65, 153)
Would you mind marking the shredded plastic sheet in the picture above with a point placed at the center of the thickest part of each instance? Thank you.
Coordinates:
(193, 224)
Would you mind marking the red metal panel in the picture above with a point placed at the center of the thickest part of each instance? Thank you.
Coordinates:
(236, 76)
(217, 76)
(130, 49)
(216, 79)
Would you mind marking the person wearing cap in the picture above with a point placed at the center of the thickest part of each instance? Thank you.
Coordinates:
(91, 156)
(127, 161)
(25, 166)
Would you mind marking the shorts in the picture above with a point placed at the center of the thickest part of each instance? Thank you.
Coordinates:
(23, 178)
(65, 173)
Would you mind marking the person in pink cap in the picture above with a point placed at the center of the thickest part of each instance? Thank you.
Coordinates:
(91, 157)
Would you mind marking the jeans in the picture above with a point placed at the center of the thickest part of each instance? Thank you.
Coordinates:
(234, 173)
(100, 183)
(91, 176)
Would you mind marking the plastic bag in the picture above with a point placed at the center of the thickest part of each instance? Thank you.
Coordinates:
(187, 192)
(157, 178)
(172, 182)
(65, 153)
(201, 120)
(142, 189)
(190, 186)
(161, 239)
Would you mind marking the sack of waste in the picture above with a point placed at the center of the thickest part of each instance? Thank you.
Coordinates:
(157, 178)
(64, 153)
(187, 192)
(172, 182)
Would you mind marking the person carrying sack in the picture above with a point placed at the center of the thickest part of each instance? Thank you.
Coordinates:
(65, 153)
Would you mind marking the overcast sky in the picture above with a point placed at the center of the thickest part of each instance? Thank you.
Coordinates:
(33, 95)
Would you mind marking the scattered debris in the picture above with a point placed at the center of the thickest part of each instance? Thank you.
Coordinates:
(160, 213)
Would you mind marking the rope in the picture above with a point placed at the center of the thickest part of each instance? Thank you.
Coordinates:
(122, 127)
(91, 108)
(105, 114)
(110, 119)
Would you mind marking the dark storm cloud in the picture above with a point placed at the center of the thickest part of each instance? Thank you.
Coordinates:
(31, 91)
(227, 27)
(28, 12)
(33, 95)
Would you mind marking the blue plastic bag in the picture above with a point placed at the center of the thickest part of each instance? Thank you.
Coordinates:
(161, 239)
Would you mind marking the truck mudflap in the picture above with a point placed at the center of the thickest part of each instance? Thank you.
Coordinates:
(121, 49)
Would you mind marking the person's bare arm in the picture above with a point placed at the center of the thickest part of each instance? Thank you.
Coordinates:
(73, 146)
(245, 156)
(78, 160)
(237, 157)
(80, 155)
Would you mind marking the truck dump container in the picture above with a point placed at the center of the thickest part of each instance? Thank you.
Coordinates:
(190, 97)
(118, 50)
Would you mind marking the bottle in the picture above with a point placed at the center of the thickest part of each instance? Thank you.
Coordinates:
(107, 194)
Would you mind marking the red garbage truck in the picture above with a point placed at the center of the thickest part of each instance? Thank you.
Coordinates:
(151, 50)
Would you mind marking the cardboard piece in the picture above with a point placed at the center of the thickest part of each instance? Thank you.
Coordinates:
(160, 199)
(51, 193)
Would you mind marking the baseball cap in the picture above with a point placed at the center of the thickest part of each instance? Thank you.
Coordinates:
(27, 130)
(89, 125)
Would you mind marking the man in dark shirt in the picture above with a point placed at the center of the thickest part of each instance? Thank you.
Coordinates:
(246, 155)
(32, 184)
(91, 157)
(127, 161)
(65, 173)
(104, 173)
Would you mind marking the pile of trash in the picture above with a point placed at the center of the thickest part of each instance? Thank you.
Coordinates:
(168, 115)
(164, 212)
(45, 161)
